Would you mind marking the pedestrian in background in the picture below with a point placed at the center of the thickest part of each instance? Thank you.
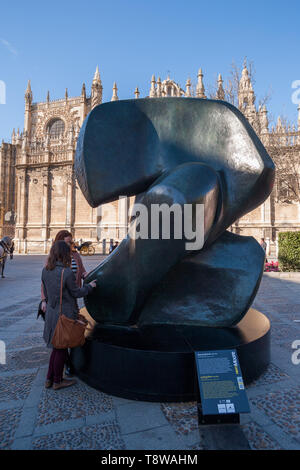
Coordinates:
(77, 265)
(264, 246)
(113, 247)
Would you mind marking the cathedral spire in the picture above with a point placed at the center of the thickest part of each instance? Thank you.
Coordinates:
(159, 88)
(115, 93)
(136, 93)
(27, 115)
(188, 88)
(263, 117)
(279, 125)
(246, 95)
(83, 91)
(97, 75)
(28, 93)
(96, 94)
(152, 93)
(220, 92)
(83, 104)
(18, 136)
(48, 96)
(200, 90)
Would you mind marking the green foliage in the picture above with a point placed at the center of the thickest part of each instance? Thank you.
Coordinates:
(289, 251)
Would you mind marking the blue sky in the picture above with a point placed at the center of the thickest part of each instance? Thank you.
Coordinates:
(58, 44)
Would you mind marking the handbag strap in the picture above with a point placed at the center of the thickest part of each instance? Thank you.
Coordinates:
(61, 289)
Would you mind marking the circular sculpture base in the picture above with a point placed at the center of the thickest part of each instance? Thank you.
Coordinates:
(157, 363)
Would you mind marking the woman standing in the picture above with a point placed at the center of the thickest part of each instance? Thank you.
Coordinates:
(79, 272)
(59, 261)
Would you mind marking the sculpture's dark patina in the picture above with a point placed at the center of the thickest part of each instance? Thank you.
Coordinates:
(175, 150)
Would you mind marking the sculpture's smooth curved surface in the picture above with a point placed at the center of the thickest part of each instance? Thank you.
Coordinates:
(183, 151)
(213, 287)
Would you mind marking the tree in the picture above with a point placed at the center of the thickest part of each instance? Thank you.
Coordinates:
(231, 84)
(284, 148)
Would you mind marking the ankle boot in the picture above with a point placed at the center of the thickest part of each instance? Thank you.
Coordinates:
(63, 384)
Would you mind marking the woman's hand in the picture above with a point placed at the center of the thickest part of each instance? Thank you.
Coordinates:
(44, 306)
(93, 283)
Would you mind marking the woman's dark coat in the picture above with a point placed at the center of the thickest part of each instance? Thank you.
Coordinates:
(51, 285)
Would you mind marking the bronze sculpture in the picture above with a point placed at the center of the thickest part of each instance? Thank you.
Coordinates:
(176, 151)
(157, 299)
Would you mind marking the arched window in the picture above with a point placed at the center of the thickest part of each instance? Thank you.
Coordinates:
(56, 128)
(169, 90)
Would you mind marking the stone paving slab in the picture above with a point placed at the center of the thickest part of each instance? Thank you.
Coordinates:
(15, 387)
(81, 417)
(104, 436)
(158, 438)
(258, 438)
(76, 402)
(9, 420)
(283, 407)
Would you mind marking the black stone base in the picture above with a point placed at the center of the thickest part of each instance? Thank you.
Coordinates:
(157, 363)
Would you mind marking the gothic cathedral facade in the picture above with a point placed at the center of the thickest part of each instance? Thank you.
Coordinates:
(39, 194)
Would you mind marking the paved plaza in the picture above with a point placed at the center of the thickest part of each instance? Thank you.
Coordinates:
(81, 417)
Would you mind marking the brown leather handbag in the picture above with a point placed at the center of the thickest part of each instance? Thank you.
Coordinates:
(68, 333)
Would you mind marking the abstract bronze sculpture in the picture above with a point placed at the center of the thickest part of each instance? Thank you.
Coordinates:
(175, 151)
(157, 301)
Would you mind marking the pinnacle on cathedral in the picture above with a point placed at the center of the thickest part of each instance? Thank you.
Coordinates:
(263, 120)
(246, 93)
(159, 88)
(27, 117)
(136, 93)
(96, 94)
(246, 99)
(13, 136)
(279, 125)
(97, 75)
(28, 93)
(152, 93)
(200, 90)
(188, 88)
(220, 91)
(115, 93)
(83, 91)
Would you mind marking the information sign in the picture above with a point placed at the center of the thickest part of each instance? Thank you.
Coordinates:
(221, 385)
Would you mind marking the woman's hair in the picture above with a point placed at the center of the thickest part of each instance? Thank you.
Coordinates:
(62, 234)
(60, 251)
